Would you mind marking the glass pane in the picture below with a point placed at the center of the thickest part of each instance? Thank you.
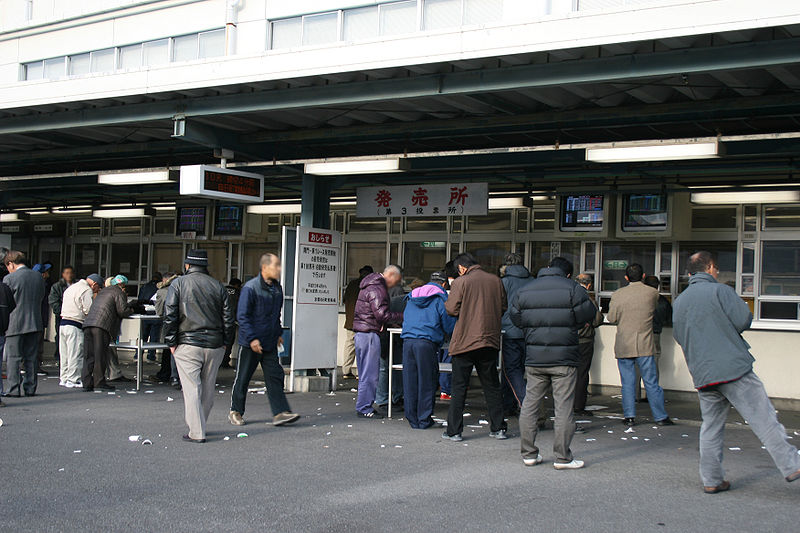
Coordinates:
(421, 259)
(482, 11)
(616, 258)
(286, 33)
(54, 68)
(455, 224)
(367, 224)
(705, 218)
(360, 254)
(748, 257)
(724, 253)
(394, 250)
(779, 310)
(155, 53)
(750, 218)
(489, 254)
(127, 226)
(441, 14)
(320, 29)
(395, 225)
(79, 65)
(544, 220)
(34, 71)
(130, 57)
(397, 18)
(212, 44)
(782, 217)
(164, 226)
(125, 260)
(426, 224)
(87, 259)
(168, 257)
(591, 256)
(103, 60)
(361, 24)
(780, 268)
(748, 285)
(492, 222)
(666, 257)
(522, 220)
(90, 226)
(543, 251)
(184, 48)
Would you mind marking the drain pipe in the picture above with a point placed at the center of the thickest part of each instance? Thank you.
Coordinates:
(231, 9)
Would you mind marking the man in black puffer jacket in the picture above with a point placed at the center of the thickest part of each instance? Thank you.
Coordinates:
(550, 310)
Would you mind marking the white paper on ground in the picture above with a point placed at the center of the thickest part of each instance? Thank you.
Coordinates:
(241, 435)
(76, 451)
(148, 392)
(583, 421)
(60, 469)
(134, 438)
(483, 422)
(1, 422)
(475, 427)
(147, 442)
(735, 449)
(170, 399)
(590, 440)
(629, 430)
(226, 438)
(131, 391)
(595, 407)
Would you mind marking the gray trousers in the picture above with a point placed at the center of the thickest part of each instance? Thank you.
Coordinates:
(197, 368)
(749, 398)
(563, 379)
(22, 351)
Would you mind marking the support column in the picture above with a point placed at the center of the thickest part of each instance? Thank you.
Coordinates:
(315, 210)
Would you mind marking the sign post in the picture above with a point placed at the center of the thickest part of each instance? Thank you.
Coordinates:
(315, 304)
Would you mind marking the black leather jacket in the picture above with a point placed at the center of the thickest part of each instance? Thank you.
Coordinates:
(197, 311)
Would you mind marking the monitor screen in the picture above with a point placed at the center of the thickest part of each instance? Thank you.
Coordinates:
(191, 219)
(582, 213)
(644, 212)
(228, 220)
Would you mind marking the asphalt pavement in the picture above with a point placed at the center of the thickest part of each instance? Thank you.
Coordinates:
(78, 461)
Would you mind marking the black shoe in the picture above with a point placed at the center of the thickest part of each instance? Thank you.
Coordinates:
(7, 395)
(349, 376)
(584, 413)
(630, 422)
(176, 384)
(499, 435)
(374, 414)
(187, 438)
(453, 438)
(121, 379)
(155, 378)
(107, 387)
(579, 429)
(665, 422)
(511, 413)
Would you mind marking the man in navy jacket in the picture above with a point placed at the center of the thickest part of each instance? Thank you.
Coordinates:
(259, 317)
(425, 324)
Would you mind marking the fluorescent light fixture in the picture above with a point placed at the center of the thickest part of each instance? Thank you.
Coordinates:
(273, 209)
(128, 212)
(505, 203)
(39, 212)
(362, 166)
(71, 211)
(164, 207)
(540, 198)
(145, 177)
(655, 152)
(343, 203)
(13, 217)
(746, 197)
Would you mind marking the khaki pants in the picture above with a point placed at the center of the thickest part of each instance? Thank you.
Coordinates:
(70, 350)
(197, 368)
(349, 353)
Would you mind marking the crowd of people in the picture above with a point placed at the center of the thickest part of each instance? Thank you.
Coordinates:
(526, 336)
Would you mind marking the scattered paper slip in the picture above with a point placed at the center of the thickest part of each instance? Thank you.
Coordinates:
(241, 435)
(629, 430)
(170, 399)
(483, 422)
(134, 438)
(735, 449)
(595, 407)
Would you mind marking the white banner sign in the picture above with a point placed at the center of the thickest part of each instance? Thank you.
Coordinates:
(423, 200)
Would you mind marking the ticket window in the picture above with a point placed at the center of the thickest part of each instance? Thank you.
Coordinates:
(543, 251)
(725, 256)
(359, 254)
(617, 256)
(421, 259)
(490, 255)
(780, 281)
(168, 257)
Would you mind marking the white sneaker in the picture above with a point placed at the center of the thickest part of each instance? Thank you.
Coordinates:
(572, 465)
(533, 462)
(63, 383)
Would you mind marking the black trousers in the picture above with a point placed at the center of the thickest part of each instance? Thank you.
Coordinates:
(484, 360)
(165, 372)
(582, 374)
(273, 377)
(95, 357)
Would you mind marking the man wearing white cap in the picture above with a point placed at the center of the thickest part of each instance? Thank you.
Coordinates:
(75, 304)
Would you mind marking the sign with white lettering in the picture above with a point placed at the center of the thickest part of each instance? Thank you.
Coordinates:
(206, 181)
(423, 200)
(315, 316)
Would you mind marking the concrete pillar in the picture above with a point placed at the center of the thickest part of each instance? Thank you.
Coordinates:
(315, 207)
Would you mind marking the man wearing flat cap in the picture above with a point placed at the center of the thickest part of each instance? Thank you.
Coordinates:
(198, 324)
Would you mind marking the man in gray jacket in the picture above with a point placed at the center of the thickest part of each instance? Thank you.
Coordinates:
(25, 324)
(708, 321)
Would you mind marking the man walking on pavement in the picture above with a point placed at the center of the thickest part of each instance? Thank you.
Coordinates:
(25, 325)
(632, 309)
(102, 324)
(350, 298)
(369, 319)
(74, 306)
(550, 310)
(425, 324)
(515, 276)
(586, 349)
(478, 299)
(54, 299)
(709, 318)
(198, 323)
(259, 317)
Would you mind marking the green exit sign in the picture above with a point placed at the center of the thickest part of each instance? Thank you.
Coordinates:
(433, 244)
(615, 264)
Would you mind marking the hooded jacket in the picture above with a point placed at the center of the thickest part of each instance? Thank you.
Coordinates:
(372, 311)
(259, 313)
(708, 320)
(110, 306)
(515, 277)
(551, 309)
(196, 311)
(425, 316)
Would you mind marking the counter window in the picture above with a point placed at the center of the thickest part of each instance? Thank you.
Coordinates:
(543, 251)
(364, 253)
(782, 217)
(616, 258)
(780, 268)
(366, 224)
(714, 218)
(494, 221)
(421, 259)
(490, 255)
(724, 253)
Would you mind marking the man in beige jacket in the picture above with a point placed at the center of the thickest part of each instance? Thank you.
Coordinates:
(631, 309)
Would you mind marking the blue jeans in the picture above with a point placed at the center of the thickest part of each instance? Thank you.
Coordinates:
(513, 384)
(2, 357)
(382, 394)
(655, 394)
(420, 368)
(445, 378)
(368, 355)
(151, 332)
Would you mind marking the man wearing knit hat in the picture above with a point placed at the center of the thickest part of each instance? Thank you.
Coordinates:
(198, 324)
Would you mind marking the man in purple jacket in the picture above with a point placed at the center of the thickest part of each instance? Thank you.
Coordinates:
(370, 317)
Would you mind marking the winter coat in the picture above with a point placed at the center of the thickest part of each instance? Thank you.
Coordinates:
(161, 294)
(372, 311)
(110, 306)
(632, 309)
(259, 313)
(147, 292)
(479, 300)
(515, 277)
(663, 316)
(425, 316)
(196, 311)
(550, 310)
(76, 302)
(28, 289)
(708, 321)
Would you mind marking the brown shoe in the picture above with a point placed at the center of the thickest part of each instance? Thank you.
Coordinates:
(236, 418)
(722, 487)
(793, 477)
(285, 418)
